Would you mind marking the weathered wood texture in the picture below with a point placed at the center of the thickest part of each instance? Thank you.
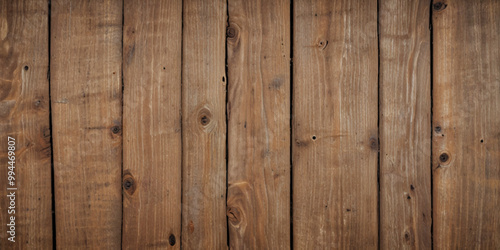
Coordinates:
(405, 125)
(152, 148)
(258, 109)
(466, 122)
(86, 96)
(204, 223)
(24, 115)
(335, 143)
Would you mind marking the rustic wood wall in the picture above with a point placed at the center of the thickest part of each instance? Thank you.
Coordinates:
(214, 124)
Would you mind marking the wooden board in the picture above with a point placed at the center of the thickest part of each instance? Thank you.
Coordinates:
(466, 123)
(335, 142)
(152, 151)
(86, 96)
(405, 125)
(204, 222)
(24, 115)
(258, 201)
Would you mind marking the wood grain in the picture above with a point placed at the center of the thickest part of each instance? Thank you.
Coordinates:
(466, 122)
(204, 222)
(259, 124)
(405, 125)
(86, 91)
(152, 149)
(335, 143)
(24, 115)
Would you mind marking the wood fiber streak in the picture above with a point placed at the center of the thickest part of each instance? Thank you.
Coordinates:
(204, 222)
(335, 142)
(152, 149)
(86, 91)
(24, 115)
(466, 108)
(405, 125)
(259, 124)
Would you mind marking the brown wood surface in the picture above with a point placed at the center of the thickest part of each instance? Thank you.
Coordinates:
(152, 148)
(24, 115)
(405, 125)
(466, 123)
(335, 124)
(259, 124)
(86, 96)
(204, 222)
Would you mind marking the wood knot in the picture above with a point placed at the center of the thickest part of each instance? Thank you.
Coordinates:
(444, 158)
(129, 183)
(171, 240)
(115, 130)
(233, 214)
(373, 143)
(438, 6)
(231, 32)
(205, 119)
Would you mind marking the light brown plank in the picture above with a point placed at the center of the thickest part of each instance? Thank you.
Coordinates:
(152, 149)
(259, 124)
(335, 124)
(24, 115)
(204, 224)
(405, 125)
(466, 123)
(86, 91)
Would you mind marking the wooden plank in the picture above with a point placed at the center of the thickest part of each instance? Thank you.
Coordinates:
(86, 91)
(466, 124)
(152, 151)
(259, 124)
(405, 125)
(204, 222)
(24, 115)
(335, 143)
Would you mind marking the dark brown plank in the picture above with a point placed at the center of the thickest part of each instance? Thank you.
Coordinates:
(86, 91)
(335, 146)
(405, 125)
(152, 148)
(466, 123)
(24, 116)
(259, 124)
(204, 223)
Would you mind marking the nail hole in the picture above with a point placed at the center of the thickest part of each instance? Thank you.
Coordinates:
(408, 197)
(26, 67)
(223, 79)
(313, 137)
(412, 187)
(482, 140)
(163, 67)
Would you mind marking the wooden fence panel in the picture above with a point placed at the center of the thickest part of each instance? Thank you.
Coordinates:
(86, 96)
(405, 125)
(152, 149)
(466, 123)
(258, 110)
(204, 223)
(335, 136)
(24, 116)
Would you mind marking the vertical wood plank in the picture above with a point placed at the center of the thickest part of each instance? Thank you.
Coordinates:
(466, 123)
(259, 124)
(152, 149)
(24, 115)
(86, 89)
(405, 125)
(204, 223)
(335, 132)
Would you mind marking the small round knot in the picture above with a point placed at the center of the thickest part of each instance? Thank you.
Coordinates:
(230, 32)
(439, 6)
(115, 129)
(444, 157)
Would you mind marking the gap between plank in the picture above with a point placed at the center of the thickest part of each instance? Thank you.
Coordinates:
(52, 180)
(432, 105)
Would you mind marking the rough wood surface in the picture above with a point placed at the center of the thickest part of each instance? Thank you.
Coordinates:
(405, 125)
(204, 222)
(152, 148)
(24, 115)
(259, 124)
(86, 96)
(335, 133)
(466, 124)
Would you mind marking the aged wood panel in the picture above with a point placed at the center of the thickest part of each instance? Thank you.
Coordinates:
(204, 222)
(152, 149)
(405, 125)
(24, 115)
(86, 96)
(259, 124)
(335, 143)
(466, 123)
